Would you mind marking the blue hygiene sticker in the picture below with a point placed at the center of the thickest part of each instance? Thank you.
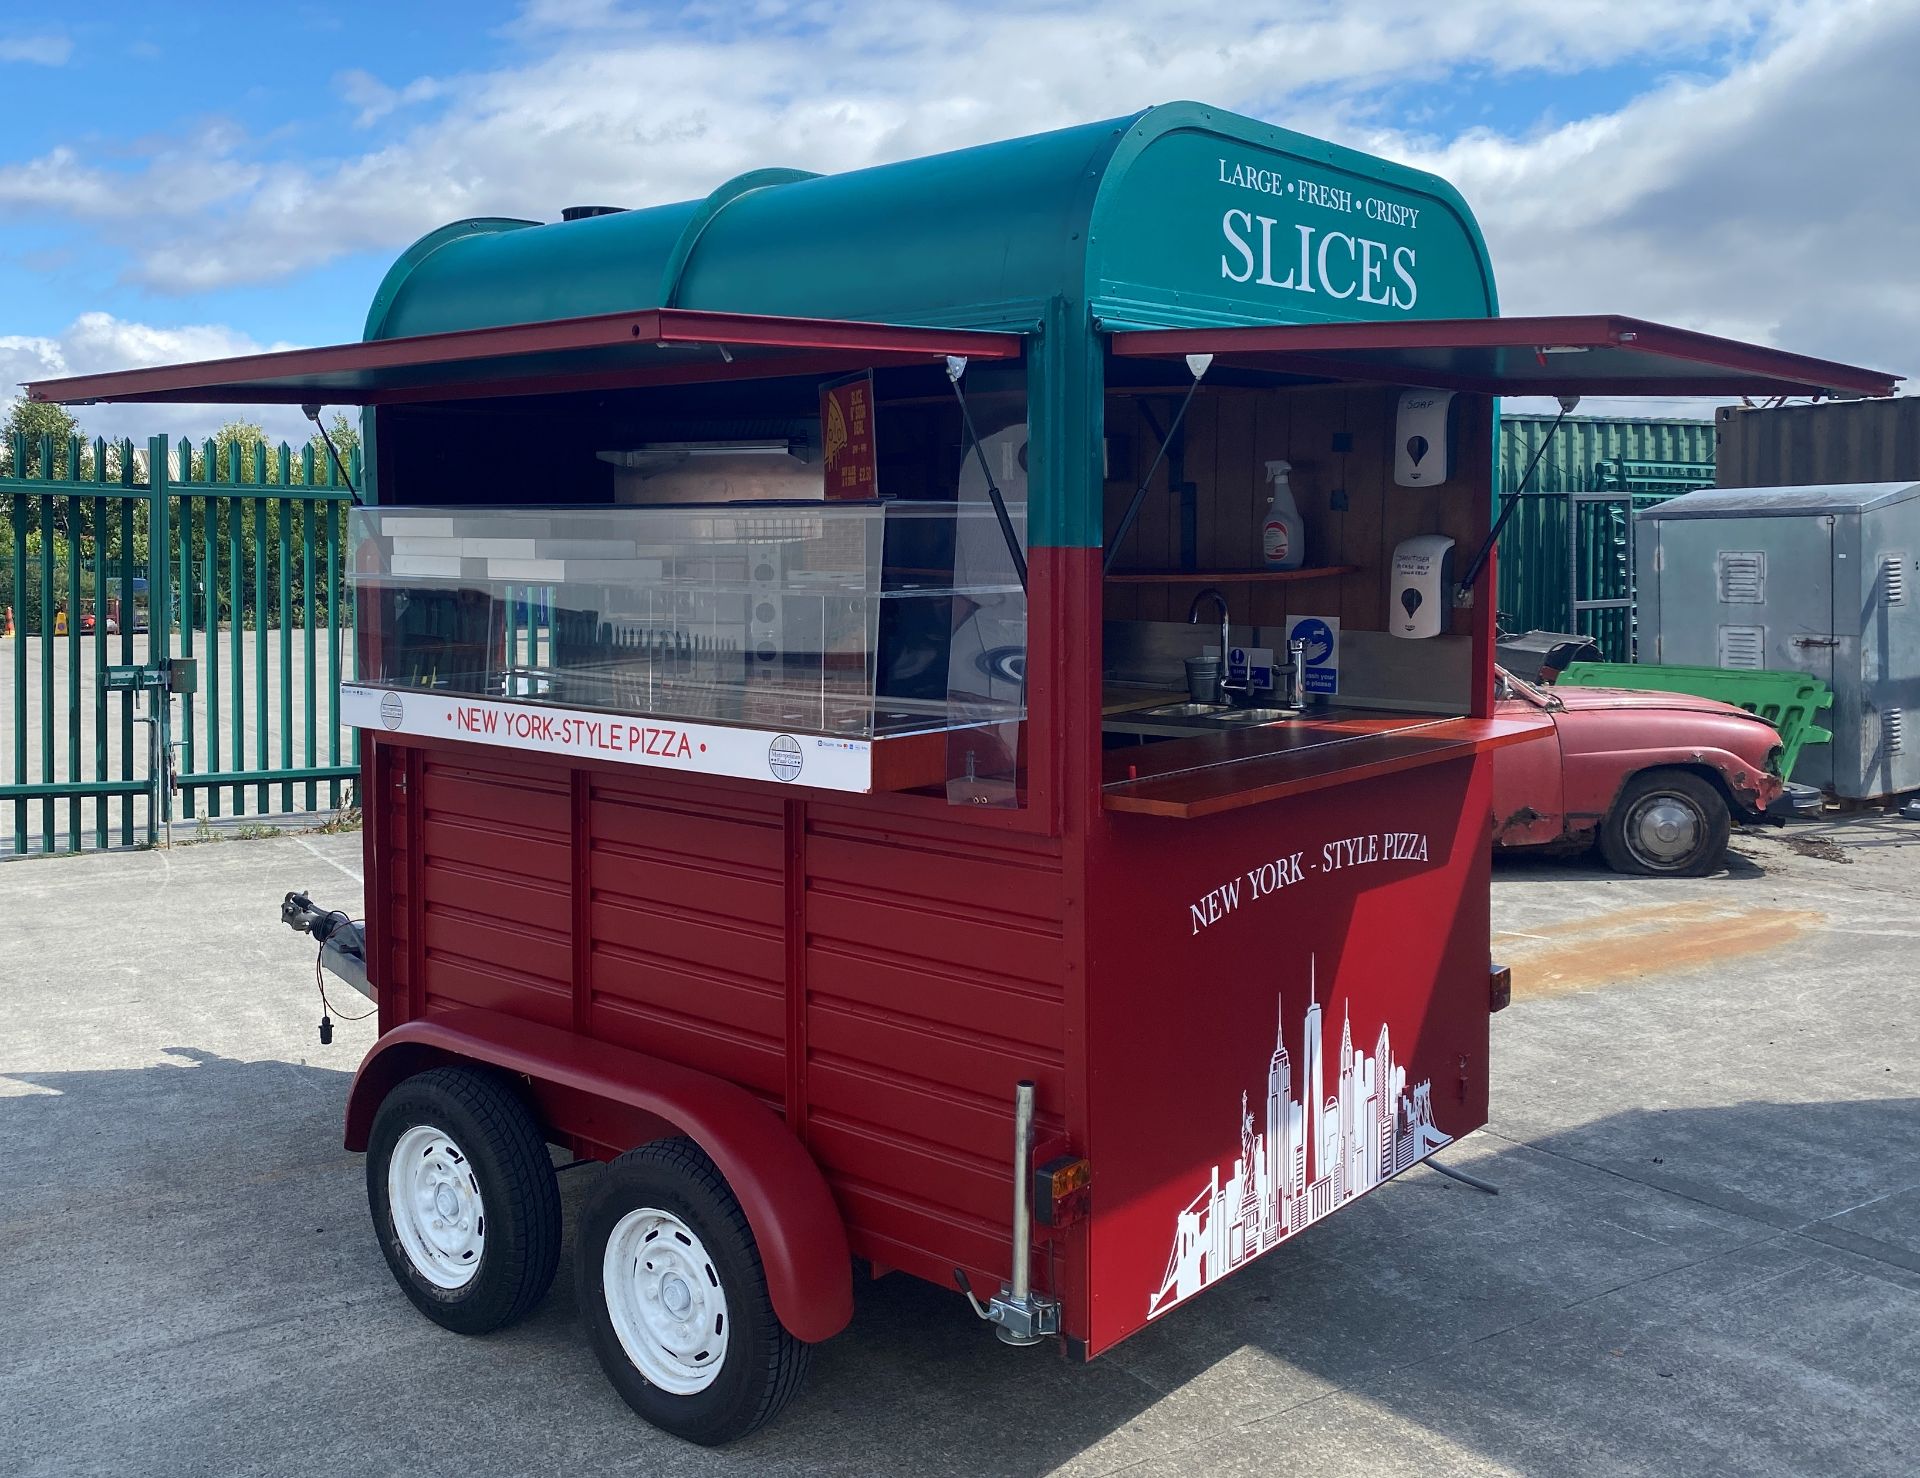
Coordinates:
(1321, 636)
(1319, 639)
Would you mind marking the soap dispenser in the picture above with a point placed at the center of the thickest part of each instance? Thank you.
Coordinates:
(1283, 538)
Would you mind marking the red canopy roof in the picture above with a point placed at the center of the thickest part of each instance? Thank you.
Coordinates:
(659, 346)
(1583, 355)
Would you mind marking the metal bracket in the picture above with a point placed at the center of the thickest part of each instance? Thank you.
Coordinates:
(1017, 1321)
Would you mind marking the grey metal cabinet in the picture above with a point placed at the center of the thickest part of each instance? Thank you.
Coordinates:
(1822, 580)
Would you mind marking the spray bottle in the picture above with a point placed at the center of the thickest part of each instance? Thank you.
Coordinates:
(1283, 538)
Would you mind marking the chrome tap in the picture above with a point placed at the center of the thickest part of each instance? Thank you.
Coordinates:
(1296, 673)
(1228, 688)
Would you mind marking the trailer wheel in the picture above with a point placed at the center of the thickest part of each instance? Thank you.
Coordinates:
(675, 1299)
(1666, 823)
(464, 1199)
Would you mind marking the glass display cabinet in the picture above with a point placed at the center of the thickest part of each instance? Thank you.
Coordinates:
(890, 632)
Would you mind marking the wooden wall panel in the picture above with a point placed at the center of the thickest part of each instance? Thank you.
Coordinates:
(1231, 434)
(1370, 489)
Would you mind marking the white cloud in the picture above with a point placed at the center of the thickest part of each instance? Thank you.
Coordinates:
(97, 342)
(615, 107)
(1776, 203)
(172, 180)
(376, 100)
(45, 51)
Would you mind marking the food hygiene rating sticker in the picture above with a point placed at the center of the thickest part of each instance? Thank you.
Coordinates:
(784, 758)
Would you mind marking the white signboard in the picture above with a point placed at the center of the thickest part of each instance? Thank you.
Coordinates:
(656, 743)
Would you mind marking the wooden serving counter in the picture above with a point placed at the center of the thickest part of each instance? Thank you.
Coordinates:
(1206, 774)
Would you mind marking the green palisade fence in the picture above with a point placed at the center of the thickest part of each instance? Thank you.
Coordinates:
(1558, 549)
(235, 559)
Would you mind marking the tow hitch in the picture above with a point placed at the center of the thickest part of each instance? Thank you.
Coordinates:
(343, 951)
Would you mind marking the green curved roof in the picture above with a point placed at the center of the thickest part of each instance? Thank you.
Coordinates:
(1178, 215)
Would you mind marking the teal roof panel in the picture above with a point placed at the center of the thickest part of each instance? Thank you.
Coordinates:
(1177, 216)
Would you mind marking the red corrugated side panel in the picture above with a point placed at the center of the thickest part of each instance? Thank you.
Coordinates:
(687, 920)
(495, 886)
(934, 965)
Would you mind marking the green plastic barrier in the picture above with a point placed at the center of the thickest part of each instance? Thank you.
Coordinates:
(1790, 701)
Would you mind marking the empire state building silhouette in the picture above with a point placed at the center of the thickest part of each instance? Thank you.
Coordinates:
(1312, 1157)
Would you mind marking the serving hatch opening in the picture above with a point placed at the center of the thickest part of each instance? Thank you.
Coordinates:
(1589, 355)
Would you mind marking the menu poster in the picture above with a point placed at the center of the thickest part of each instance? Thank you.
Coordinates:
(846, 434)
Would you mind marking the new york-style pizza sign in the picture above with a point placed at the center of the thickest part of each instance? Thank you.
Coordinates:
(663, 744)
(1292, 868)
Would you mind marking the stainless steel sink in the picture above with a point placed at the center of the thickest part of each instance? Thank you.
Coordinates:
(1217, 715)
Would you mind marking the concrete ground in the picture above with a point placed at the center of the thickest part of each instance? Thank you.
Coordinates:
(1705, 1256)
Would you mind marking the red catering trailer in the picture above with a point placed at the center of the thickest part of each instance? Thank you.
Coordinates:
(938, 715)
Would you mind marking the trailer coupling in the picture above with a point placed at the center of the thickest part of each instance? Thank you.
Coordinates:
(343, 943)
(1019, 1315)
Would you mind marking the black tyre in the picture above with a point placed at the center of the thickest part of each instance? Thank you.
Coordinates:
(1666, 823)
(675, 1299)
(463, 1198)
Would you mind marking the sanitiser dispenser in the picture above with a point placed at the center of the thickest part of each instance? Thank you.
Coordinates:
(1419, 594)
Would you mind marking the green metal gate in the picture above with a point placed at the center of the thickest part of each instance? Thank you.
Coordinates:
(113, 557)
(1566, 554)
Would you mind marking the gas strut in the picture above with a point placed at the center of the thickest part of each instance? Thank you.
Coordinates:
(1197, 366)
(956, 367)
(1511, 501)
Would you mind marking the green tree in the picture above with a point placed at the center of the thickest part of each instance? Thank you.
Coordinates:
(245, 437)
(32, 422)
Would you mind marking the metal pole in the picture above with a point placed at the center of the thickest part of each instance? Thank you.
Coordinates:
(1022, 1175)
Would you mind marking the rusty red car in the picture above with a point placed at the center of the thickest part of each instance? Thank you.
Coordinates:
(1654, 779)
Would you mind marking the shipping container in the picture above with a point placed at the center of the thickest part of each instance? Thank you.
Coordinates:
(1832, 442)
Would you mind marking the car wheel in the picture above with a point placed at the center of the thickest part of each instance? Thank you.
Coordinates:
(464, 1199)
(675, 1298)
(1666, 823)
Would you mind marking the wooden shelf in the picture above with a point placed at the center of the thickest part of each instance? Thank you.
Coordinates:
(1226, 577)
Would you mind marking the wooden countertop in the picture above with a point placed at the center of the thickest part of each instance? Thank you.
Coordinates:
(1210, 773)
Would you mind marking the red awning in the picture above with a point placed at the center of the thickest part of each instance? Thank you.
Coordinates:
(1585, 355)
(658, 346)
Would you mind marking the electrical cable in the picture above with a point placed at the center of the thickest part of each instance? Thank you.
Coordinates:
(320, 984)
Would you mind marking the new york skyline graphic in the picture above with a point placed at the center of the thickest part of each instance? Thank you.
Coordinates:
(1311, 1159)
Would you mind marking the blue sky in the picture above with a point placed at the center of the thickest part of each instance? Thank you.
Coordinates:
(193, 179)
(139, 74)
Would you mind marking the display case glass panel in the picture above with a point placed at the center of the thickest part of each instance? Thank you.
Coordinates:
(852, 622)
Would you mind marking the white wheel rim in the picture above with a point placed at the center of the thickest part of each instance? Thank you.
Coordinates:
(434, 1199)
(666, 1301)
